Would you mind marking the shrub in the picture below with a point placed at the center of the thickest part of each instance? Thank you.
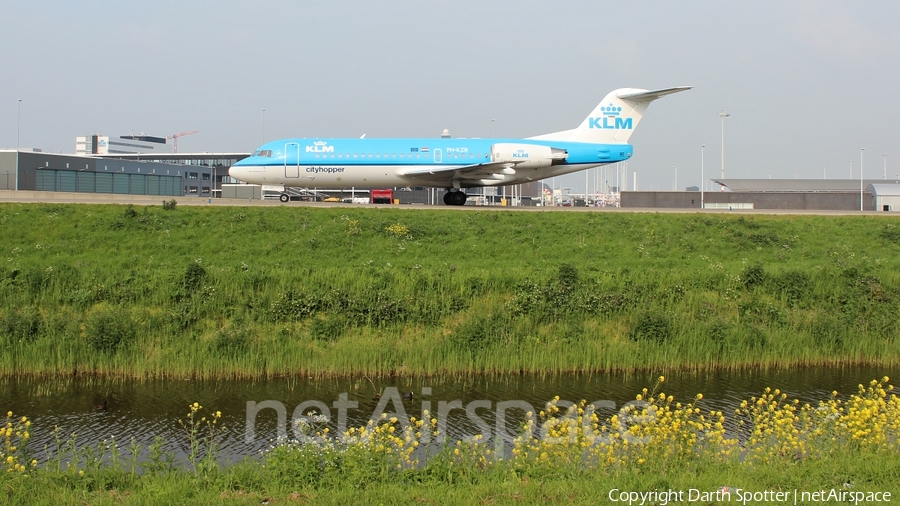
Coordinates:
(329, 328)
(23, 324)
(193, 275)
(793, 285)
(753, 276)
(890, 233)
(292, 306)
(108, 328)
(231, 341)
(651, 326)
(568, 275)
(481, 331)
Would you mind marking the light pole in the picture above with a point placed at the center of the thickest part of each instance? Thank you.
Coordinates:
(862, 151)
(675, 167)
(618, 190)
(723, 115)
(264, 126)
(586, 184)
(885, 165)
(18, 123)
(702, 176)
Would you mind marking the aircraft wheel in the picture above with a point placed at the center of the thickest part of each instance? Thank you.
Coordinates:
(447, 197)
(284, 197)
(459, 198)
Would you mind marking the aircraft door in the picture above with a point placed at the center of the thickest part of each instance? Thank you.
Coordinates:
(292, 160)
(438, 157)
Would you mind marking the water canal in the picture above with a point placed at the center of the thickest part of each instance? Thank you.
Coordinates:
(98, 409)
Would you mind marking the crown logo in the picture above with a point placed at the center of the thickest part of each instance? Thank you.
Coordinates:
(611, 110)
(320, 143)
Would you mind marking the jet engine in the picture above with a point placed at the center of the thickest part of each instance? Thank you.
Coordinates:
(528, 156)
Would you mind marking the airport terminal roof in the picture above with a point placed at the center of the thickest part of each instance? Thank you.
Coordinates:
(798, 185)
(888, 189)
(177, 156)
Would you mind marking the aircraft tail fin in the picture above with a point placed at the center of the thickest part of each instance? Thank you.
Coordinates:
(615, 118)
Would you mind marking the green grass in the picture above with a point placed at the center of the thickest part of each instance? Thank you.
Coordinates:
(250, 292)
(249, 484)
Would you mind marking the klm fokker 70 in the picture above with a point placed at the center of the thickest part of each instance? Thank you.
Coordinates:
(455, 164)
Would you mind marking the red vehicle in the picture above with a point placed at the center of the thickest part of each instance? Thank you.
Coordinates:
(381, 197)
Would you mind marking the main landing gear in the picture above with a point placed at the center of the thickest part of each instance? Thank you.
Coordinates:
(455, 198)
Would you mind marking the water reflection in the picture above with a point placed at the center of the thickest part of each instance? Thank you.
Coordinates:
(100, 409)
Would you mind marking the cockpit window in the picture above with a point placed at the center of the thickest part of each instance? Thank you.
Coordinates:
(265, 153)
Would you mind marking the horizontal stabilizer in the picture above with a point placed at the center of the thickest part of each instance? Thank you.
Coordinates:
(649, 96)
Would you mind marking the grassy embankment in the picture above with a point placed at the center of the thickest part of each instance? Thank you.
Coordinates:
(841, 446)
(215, 292)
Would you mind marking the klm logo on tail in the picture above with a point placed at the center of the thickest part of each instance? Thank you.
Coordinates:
(610, 120)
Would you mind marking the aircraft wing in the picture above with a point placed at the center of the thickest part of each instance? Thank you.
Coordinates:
(473, 172)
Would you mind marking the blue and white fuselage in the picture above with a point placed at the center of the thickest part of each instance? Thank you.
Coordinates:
(602, 138)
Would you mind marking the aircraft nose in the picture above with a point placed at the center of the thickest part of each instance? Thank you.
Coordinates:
(238, 172)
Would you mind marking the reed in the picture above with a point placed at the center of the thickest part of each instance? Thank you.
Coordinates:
(250, 292)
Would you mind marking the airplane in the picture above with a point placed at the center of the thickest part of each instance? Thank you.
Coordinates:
(455, 164)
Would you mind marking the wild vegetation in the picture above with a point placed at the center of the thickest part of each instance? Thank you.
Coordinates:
(844, 446)
(218, 292)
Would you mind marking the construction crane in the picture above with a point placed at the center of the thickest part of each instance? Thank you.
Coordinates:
(175, 137)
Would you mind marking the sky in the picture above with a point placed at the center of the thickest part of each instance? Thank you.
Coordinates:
(808, 84)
